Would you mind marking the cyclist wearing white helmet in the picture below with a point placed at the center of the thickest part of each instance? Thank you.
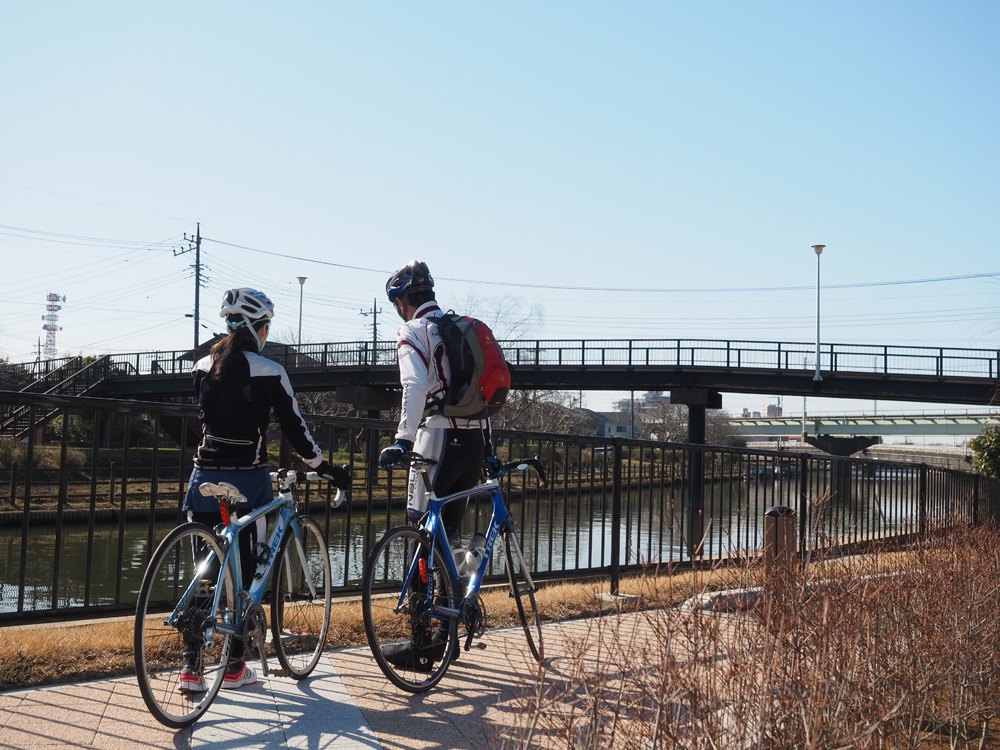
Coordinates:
(237, 390)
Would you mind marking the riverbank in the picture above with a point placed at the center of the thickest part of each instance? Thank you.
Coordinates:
(35, 655)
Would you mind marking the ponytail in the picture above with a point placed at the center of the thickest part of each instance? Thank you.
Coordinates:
(226, 352)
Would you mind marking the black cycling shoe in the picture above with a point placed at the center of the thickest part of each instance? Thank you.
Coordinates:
(419, 659)
(406, 656)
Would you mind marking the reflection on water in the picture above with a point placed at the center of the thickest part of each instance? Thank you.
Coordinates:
(559, 531)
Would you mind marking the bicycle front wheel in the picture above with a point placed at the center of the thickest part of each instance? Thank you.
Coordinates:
(300, 599)
(173, 618)
(522, 589)
(412, 648)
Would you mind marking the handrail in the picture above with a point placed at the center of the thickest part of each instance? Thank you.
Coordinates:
(611, 505)
(867, 359)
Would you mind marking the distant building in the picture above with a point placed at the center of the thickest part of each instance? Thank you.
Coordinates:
(285, 354)
(646, 402)
(612, 424)
(772, 410)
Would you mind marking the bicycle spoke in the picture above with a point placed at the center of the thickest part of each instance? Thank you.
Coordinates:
(301, 599)
(160, 648)
(412, 647)
(522, 589)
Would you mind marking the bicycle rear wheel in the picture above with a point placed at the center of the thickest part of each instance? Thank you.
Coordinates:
(522, 589)
(394, 603)
(174, 611)
(300, 599)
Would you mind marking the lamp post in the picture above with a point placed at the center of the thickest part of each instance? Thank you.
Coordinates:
(819, 251)
(302, 284)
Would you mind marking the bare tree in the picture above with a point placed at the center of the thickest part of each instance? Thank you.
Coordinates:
(543, 411)
(668, 421)
(510, 318)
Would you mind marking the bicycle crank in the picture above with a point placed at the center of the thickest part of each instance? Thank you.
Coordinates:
(254, 629)
(474, 614)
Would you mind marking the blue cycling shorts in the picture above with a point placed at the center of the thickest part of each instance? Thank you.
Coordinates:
(254, 484)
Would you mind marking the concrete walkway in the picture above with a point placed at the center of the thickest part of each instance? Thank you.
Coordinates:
(346, 704)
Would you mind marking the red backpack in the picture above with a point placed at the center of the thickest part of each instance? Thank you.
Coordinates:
(480, 380)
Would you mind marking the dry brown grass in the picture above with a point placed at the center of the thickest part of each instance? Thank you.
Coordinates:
(32, 656)
(861, 652)
(45, 655)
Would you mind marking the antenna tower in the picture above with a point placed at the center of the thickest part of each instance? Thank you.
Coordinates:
(51, 319)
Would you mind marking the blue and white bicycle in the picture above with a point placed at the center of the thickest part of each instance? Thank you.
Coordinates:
(412, 592)
(193, 594)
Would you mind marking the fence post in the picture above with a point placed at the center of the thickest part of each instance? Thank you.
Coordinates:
(111, 484)
(922, 498)
(13, 483)
(779, 538)
(975, 500)
(803, 502)
(29, 461)
(616, 516)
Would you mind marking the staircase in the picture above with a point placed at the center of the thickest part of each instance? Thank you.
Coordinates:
(72, 378)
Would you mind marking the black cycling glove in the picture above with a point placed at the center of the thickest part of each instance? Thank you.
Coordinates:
(339, 475)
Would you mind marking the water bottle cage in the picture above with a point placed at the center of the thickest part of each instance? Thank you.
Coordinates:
(261, 554)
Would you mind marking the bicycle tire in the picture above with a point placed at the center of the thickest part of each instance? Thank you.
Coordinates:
(382, 585)
(300, 615)
(158, 648)
(522, 591)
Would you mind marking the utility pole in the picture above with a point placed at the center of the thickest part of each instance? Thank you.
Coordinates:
(194, 244)
(374, 313)
(819, 251)
(302, 286)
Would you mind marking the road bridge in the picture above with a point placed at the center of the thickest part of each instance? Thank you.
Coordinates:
(850, 425)
(364, 370)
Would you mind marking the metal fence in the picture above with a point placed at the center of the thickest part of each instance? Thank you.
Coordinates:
(98, 483)
(768, 355)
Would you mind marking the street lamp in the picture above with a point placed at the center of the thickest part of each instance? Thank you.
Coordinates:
(819, 251)
(302, 284)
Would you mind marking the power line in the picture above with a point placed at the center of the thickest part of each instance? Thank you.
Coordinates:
(763, 289)
(96, 203)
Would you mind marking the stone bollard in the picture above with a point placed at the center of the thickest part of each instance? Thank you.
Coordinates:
(780, 548)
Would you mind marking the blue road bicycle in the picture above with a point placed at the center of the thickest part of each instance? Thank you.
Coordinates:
(193, 594)
(412, 591)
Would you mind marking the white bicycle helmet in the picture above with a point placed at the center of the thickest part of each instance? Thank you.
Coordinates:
(245, 305)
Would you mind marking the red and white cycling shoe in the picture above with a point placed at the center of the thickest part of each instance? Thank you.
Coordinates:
(240, 677)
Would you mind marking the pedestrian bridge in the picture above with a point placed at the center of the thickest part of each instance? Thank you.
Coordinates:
(849, 425)
(364, 371)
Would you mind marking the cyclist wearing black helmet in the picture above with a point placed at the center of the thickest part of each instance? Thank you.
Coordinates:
(460, 446)
(237, 390)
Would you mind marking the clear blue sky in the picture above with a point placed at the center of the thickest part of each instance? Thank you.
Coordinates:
(641, 145)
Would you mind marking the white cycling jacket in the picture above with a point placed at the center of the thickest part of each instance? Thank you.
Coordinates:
(424, 372)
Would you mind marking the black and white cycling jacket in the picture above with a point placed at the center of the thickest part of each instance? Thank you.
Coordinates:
(234, 415)
(424, 372)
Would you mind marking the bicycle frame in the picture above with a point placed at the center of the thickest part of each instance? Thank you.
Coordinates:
(286, 519)
(499, 521)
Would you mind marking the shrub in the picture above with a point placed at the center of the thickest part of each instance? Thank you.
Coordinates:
(841, 654)
(44, 456)
(987, 451)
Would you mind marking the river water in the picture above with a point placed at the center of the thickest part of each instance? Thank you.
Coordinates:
(562, 531)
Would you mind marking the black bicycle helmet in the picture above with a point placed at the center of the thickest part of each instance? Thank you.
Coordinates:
(413, 277)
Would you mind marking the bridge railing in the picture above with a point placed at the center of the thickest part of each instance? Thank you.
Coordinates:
(868, 359)
(768, 355)
(99, 482)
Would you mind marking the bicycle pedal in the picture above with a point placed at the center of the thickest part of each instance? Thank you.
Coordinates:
(480, 646)
(204, 587)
